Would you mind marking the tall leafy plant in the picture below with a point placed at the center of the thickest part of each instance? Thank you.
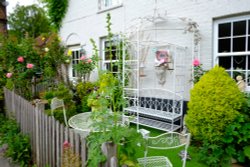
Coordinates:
(108, 97)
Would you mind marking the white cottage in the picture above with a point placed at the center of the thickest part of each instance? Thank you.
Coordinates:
(165, 37)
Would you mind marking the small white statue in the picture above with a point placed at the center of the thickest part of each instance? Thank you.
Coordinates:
(240, 83)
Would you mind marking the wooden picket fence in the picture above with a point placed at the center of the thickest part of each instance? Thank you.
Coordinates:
(47, 135)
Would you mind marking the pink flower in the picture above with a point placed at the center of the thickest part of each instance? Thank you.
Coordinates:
(20, 59)
(196, 62)
(163, 61)
(89, 60)
(66, 144)
(9, 75)
(29, 66)
(83, 58)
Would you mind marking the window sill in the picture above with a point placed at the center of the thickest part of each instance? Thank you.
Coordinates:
(109, 8)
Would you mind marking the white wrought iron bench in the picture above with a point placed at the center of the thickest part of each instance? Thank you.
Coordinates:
(156, 108)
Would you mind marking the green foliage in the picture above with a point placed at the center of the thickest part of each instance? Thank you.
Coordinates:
(51, 60)
(30, 20)
(128, 140)
(18, 145)
(109, 93)
(61, 92)
(198, 73)
(95, 51)
(21, 75)
(215, 118)
(46, 60)
(85, 67)
(237, 137)
(215, 103)
(247, 151)
(56, 10)
(84, 89)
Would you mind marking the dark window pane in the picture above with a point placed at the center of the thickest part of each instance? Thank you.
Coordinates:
(239, 44)
(224, 45)
(248, 43)
(225, 30)
(248, 78)
(77, 54)
(248, 27)
(112, 56)
(239, 28)
(73, 54)
(225, 62)
(248, 63)
(239, 62)
(114, 67)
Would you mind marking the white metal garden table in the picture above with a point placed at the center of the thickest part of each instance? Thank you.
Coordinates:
(81, 123)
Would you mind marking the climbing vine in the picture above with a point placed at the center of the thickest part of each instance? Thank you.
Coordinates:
(56, 10)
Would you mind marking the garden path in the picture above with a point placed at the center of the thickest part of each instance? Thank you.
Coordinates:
(4, 162)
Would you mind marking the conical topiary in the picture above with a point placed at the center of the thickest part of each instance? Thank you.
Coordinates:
(214, 103)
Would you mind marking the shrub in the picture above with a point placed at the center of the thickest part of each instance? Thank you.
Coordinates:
(214, 117)
(84, 89)
(214, 103)
(61, 92)
(19, 149)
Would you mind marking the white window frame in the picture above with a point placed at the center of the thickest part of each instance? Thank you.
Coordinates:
(104, 5)
(103, 52)
(231, 53)
(77, 49)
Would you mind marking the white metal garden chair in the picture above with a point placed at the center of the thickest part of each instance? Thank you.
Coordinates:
(164, 141)
(58, 103)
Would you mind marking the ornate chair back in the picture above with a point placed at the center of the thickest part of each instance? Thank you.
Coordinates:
(58, 103)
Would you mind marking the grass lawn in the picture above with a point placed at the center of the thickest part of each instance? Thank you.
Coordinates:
(172, 154)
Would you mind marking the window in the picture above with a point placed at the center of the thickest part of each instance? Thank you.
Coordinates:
(111, 53)
(76, 54)
(232, 46)
(107, 4)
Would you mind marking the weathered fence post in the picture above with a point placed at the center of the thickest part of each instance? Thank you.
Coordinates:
(109, 149)
(39, 108)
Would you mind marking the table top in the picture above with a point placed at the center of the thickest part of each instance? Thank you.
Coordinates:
(81, 121)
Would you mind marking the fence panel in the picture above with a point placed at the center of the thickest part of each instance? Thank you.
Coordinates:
(46, 134)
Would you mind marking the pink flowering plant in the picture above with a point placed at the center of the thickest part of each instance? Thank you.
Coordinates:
(70, 158)
(25, 63)
(85, 66)
(198, 70)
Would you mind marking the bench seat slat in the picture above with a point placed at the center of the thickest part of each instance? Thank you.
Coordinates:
(156, 124)
(153, 112)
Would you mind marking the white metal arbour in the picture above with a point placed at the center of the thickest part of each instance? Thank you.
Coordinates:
(155, 104)
(154, 88)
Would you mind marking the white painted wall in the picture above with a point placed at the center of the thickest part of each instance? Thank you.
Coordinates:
(83, 21)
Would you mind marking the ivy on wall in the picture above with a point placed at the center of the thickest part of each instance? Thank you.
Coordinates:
(56, 11)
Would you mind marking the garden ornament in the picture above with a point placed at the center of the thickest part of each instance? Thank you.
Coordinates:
(162, 64)
(240, 83)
